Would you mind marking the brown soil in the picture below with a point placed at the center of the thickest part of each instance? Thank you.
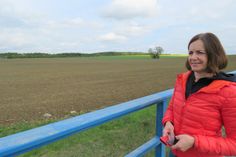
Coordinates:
(32, 87)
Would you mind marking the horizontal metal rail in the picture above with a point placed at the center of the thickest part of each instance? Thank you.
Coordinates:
(27, 140)
(146, 147)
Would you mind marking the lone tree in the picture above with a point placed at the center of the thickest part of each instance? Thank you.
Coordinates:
(155, 52)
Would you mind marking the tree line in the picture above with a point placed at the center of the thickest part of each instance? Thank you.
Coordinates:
(153, 52)
(10, 55)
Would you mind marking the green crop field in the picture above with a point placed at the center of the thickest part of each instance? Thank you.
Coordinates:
(32, 87)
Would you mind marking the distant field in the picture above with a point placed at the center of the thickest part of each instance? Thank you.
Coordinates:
(141, 56)
(32, 87)
(129, 57)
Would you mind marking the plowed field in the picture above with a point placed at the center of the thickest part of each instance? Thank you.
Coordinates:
(32, 87)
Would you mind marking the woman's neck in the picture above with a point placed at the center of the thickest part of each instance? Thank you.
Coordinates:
(198, 75)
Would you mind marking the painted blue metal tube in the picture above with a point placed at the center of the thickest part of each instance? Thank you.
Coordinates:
(155, 141)
(232, 72)
(24, 141)
(161, 108)
(142, 150)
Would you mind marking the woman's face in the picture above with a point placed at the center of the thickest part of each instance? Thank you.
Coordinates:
(197, 57)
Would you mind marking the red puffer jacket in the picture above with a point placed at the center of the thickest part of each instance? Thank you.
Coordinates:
(202, 115)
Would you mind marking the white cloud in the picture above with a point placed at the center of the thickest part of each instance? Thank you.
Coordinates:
(112, 37)
(73, 23)
(31, 25)
(195, 11)
(12, 15)
(133, 29)
(15, 38)
(128, 9)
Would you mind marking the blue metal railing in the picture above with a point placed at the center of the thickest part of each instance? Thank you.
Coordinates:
(22, 142)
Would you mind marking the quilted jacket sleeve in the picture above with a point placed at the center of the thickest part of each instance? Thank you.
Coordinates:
(169, 113)
(168, 116)
(222, 145)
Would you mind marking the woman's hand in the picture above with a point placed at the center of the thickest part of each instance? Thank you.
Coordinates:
(168, 129)
(184, 142)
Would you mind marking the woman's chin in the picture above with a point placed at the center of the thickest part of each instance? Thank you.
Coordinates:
(198, 70)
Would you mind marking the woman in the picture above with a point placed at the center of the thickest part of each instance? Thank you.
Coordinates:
(204, 100)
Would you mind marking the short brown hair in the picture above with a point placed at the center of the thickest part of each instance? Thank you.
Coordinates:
(217, 59)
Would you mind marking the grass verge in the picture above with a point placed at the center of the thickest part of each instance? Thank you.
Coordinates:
(115, 138)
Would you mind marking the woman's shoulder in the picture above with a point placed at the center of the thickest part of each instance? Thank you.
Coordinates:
(229, 90)
(184, 75)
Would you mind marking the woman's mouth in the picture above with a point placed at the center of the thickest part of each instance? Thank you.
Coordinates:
(195, 63)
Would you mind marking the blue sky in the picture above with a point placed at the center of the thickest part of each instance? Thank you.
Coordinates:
(88, 26)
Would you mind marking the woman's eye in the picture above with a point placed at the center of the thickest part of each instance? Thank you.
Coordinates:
(190, 52)
(200, 53)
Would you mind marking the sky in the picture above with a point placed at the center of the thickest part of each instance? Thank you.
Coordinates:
(88, 26)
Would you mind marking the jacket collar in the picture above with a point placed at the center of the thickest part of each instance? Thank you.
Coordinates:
(214, 87)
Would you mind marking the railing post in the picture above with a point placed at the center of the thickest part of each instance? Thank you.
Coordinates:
(160, 109)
